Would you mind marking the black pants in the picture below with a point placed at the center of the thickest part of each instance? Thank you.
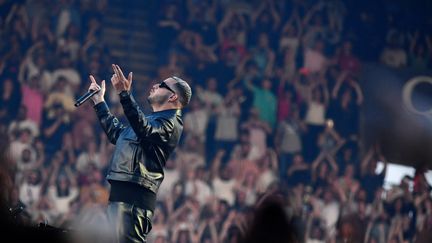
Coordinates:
(129, 223)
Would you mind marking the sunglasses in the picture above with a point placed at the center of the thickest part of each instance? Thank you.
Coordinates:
(164, 85)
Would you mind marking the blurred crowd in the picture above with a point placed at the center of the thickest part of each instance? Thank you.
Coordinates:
(276, 109)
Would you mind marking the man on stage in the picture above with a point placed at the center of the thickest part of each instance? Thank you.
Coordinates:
(141, 150)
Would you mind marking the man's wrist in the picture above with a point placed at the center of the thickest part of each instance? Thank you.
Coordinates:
(97, 101)
(124, 93)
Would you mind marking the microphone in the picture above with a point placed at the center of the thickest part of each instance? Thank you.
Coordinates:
(85, 97)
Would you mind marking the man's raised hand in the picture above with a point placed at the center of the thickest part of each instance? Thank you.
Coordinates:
(99, 96)
(119, 81)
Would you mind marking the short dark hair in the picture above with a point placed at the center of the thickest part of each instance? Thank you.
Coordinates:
(184, 90)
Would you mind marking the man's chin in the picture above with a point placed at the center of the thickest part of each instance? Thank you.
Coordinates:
(151, 100)
(156, 100)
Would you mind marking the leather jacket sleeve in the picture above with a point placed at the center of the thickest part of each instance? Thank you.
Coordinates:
(110, 124)
(158, 130)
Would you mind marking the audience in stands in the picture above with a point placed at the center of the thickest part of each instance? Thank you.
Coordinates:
(276, 111)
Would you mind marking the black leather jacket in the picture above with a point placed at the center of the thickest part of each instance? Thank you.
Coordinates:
(143, 147)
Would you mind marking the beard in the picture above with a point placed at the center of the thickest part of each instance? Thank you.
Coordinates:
(158, 99)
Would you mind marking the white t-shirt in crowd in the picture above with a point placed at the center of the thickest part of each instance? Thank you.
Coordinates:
(197, 123)
(170, 178)
(29, 165)
(227, 123)
(29, 194)
(315, 114)
(265, 180)
(203, 191)
(16, 149)
(62, 204)
(251, 195)
(224, 189)
(210, 97)
(84, 160)
(330, 215)
(291, 141)
(258, 140)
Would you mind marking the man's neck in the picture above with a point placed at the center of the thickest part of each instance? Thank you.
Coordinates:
(157, 108)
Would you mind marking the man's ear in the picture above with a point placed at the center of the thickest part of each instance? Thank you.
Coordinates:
(173, 97)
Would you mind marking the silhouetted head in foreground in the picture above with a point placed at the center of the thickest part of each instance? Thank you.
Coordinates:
(270, 223)
(12, 228)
